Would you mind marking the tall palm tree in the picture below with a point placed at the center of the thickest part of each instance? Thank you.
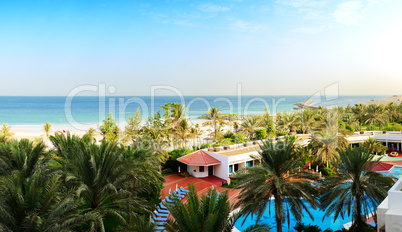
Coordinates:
(215, 118)
(100, 175)
(359, 110)
(210, 213)
(356, 187)
(307, 119)
(373, 146)
(350, 119)
(375, 114)
(325, 146)
(230, 119)
(290, 121)
(250, 125)
(277, 175)
(47, 128)
(31, 194)
(392, 111)
(6, 133)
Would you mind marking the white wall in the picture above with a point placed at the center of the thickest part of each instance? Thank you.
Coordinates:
(197, 172)
(390, 210)
(221, 170)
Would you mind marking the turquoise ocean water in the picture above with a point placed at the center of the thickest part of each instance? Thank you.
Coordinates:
(39, 110)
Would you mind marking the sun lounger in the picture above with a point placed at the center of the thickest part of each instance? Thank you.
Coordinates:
(162, 206)
(161, 214)
(181, 192)
(162, 210)
(177, 195)
(184, 190)
(160, 219)
(159, 228)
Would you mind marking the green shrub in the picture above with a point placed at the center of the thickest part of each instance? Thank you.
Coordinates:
(341, 124)
(228, 135)
(206, 145)
(223, 142)
(281, 133)
(232, 184)
(349, 128)
(271, 128)
(179, 152)
(327, 171)
(393, 127)
(261, 134)
(238, 138)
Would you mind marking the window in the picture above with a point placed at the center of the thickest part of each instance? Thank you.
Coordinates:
(201, 169)
(249, 163)
(230, 169)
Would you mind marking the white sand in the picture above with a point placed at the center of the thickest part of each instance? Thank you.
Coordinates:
(33, 131)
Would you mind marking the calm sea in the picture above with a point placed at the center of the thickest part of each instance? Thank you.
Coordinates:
(84, 110)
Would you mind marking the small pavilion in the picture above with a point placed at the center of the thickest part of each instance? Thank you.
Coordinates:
(199, 163)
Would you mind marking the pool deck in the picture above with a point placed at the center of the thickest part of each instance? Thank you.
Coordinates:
(201, 185)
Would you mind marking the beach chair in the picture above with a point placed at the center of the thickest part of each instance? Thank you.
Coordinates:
(159, 219)
(161, 214)
(178, 195)
(160, 228)
(162, 206)
(184, 190)
(162, 210)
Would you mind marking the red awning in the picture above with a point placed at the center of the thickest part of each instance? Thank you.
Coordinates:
(199, 158)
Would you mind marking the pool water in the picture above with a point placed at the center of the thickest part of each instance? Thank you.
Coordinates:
(317, 214)
(396, 172)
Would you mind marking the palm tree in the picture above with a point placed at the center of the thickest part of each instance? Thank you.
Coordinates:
(307, 118)
(6, 133)
(215, 118)
(375, 114)
(358, 110)
(350, 119)
(392, 111)
(210, 213)
(31, 194)
(325, 146)
(101, 176)
(290, 121)
(250, 125)
(373, 146)
(356, 187)
(230, 119)
(47, 128)
(91, 132)
(277, 175)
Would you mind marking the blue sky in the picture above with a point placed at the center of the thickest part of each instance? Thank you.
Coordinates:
(280, 47)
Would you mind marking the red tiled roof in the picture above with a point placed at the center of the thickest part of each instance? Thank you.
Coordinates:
(382, 167)
(199, 158)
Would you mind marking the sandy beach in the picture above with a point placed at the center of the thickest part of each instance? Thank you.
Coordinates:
(35, 131)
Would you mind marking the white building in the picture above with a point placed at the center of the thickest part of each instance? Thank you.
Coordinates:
(389, 212)
(224, 161)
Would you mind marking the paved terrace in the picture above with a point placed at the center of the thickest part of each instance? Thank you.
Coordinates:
(201, 185)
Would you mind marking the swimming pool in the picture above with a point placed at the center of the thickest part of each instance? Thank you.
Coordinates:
(317, 213)
(396, 171)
